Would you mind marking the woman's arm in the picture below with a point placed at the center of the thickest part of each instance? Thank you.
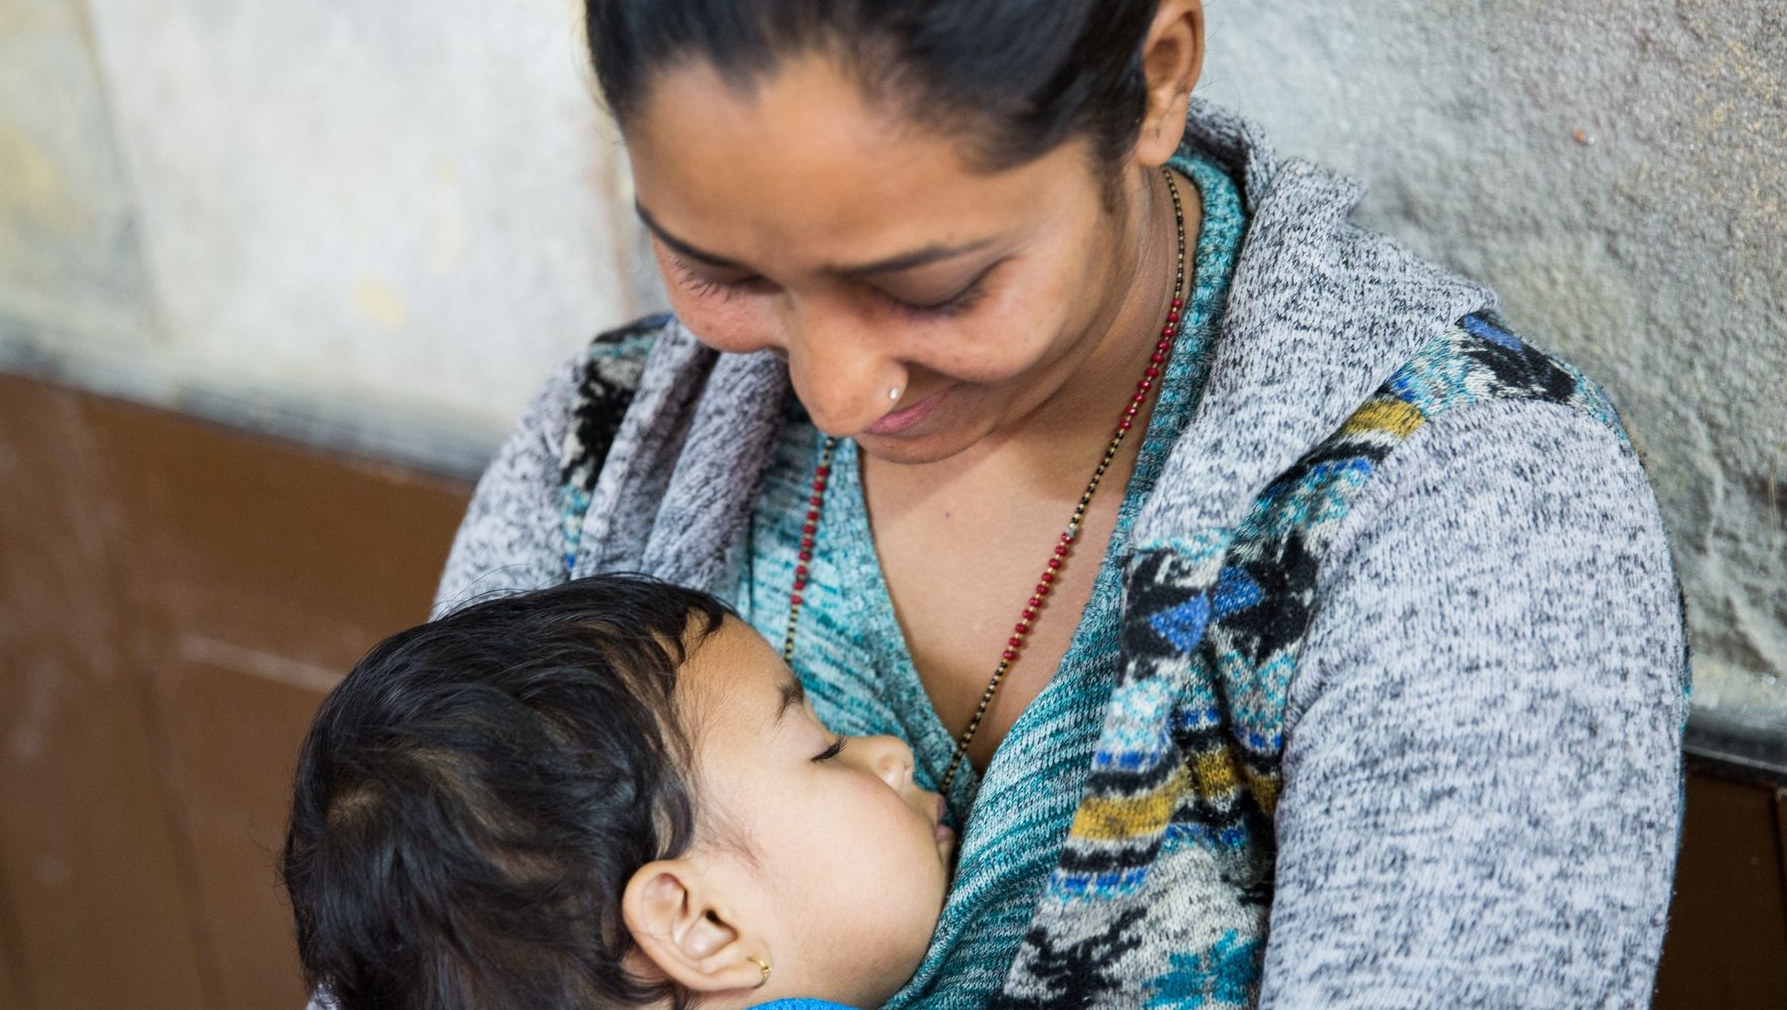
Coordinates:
(513, 535)
(1482, 766)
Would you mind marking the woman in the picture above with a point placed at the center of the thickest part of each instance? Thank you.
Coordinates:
(1282, 630)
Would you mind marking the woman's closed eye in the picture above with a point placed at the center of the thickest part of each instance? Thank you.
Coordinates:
(701, 285)
(833, 751)
(956, 304)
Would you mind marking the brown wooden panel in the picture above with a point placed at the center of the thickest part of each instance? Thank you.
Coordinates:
(1727, 941)
(233, 733)
(15, 993)
(309, 555)
(266, 570)
(1781, 844)
(88, 848)
(175, 597)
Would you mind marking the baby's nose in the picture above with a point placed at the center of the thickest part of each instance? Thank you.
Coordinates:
(887, 757)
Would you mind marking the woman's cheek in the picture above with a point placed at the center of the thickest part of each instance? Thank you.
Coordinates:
(738, 323)
(990, 350)
(1011, 332)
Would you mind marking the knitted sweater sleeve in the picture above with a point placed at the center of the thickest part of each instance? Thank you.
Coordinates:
(512, 537)
(1482, 762)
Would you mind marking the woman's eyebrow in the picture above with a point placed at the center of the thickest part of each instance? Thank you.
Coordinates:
(683, 248)
(916, 258)
(925, 256)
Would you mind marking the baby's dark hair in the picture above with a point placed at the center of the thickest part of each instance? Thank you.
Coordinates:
(473, 798)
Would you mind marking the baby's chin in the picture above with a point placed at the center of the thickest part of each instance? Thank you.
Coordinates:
(918, 946)
(880, 994)
(901, 960)
(865, 966)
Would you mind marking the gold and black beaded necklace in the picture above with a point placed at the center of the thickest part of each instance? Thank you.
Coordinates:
(1014, 645)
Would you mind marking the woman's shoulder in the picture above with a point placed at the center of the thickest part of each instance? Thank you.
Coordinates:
(1476, 391)
(1478, 385)
(1482, 455)
(1481, 424)
(1481, 359)
(1479, 428)
(1507, 521)
(1503, 485)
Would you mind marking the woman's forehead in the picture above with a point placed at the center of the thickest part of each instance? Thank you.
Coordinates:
(803, 167)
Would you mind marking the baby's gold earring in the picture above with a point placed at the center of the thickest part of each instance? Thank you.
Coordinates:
(762, 966)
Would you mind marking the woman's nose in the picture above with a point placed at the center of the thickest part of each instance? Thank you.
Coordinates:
(886, 757)
(840, 377)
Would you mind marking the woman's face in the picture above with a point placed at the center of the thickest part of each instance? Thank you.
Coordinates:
(873, 255)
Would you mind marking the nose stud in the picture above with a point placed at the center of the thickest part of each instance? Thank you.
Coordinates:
(893, 395)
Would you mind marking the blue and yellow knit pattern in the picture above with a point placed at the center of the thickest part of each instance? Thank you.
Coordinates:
(1186, 772)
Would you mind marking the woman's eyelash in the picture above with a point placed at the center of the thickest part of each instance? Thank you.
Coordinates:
(956, 305)
(833, 751)
(701, 285)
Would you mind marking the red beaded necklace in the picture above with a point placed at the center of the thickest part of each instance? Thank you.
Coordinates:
(1015, 644)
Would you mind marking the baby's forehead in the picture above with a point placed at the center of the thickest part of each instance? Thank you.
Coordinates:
(736, 671)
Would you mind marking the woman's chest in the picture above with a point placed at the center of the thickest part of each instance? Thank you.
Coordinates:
(989, 598)
(904, 622)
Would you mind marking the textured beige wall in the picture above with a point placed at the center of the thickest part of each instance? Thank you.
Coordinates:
(379, 224)
(1617, 169)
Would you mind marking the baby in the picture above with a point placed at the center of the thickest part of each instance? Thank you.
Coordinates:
(610, 793)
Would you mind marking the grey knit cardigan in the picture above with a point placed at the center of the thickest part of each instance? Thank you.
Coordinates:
(1445, 734)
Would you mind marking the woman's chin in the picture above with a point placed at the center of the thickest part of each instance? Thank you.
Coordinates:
(918, 448)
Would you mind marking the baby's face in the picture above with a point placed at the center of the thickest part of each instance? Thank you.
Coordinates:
(845, 861)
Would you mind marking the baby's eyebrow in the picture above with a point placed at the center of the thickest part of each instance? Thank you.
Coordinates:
(794, 694)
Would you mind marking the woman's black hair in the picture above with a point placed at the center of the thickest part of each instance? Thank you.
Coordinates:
(1018, 77)
(473, 798)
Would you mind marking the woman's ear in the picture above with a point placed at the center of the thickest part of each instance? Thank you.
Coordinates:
(688, 926)
(1172, 59)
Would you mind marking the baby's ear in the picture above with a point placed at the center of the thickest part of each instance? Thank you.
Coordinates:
(686, 924)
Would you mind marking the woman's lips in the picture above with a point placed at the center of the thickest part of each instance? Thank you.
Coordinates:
(894, 422)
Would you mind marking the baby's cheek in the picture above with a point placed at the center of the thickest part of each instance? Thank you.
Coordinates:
(816, 843)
